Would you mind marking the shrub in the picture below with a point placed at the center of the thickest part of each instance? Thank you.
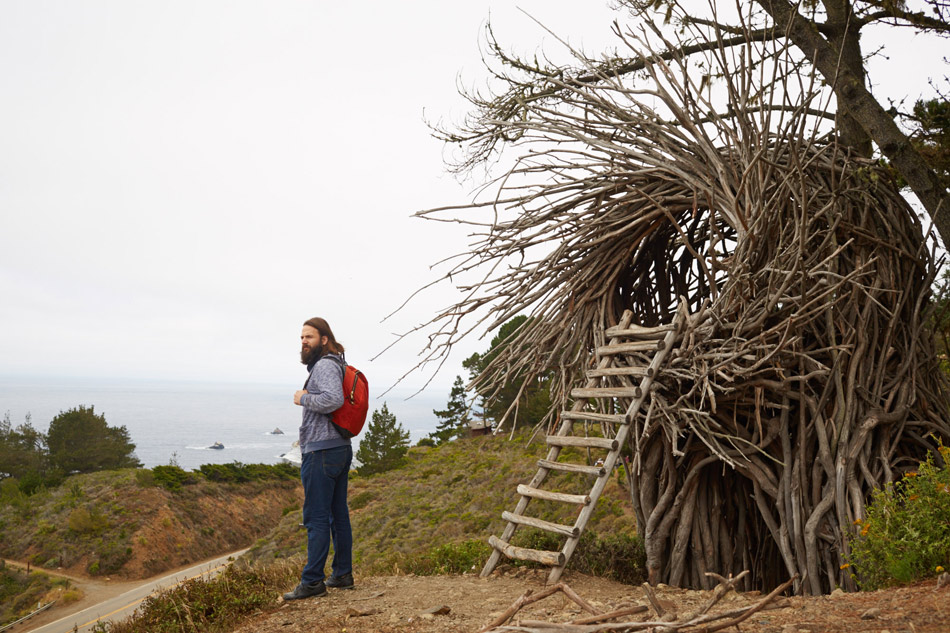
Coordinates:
(172, 477)
(452, 558)
(145, 478)
(209, 604)
(618, 556)
(906, 534)
(361, 500)
(82, 521)
(236, 472)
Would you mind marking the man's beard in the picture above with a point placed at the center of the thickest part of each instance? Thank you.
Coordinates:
(308, 355)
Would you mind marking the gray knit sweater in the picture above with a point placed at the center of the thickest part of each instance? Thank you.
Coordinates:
(324, 396)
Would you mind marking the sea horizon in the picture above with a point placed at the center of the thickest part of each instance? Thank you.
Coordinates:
(177, 421)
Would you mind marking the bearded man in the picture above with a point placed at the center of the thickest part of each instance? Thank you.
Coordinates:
(327, 455)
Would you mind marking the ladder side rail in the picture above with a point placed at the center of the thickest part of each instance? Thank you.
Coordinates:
(584, 516)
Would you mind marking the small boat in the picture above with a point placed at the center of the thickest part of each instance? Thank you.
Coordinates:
(217, 446)
(277, 431)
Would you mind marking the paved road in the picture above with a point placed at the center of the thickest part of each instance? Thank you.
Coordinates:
(123, 606)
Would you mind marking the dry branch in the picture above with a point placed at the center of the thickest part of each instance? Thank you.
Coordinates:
(700, 621)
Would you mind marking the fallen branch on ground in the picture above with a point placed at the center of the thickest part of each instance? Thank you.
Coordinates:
(700, 621)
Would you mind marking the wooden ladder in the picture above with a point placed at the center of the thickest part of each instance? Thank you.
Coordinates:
(613, 378)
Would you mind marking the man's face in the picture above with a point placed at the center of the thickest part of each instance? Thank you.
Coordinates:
(311, 344)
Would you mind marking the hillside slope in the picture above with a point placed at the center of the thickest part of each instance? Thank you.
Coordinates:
(450, 494)
(120, 523)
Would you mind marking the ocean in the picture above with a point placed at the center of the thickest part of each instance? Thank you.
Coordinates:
(173, 421)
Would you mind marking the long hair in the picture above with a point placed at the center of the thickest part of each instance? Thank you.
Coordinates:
(321, 325)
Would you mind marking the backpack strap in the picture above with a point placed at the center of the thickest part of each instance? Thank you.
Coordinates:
(341, 359)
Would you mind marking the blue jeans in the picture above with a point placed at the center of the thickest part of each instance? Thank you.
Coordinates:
(325, 514)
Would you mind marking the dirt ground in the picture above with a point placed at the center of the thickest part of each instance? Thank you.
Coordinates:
(449, 604)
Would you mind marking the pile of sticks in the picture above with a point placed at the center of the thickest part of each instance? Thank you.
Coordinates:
(665, 618)
(812, 376)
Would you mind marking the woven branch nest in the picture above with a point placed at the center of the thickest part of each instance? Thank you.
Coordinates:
(813, 376)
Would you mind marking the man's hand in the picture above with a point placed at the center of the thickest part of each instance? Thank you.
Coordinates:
(298, 394)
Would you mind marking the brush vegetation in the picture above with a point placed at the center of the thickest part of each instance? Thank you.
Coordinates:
(140, 522)
(434, 514)
(431, 515)
(22, 591)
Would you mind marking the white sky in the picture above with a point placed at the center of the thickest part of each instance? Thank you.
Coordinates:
(182, 183)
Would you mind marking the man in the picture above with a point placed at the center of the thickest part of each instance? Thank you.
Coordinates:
(326, 464)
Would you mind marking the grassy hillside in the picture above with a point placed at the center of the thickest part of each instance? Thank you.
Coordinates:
(22, 591)
(436, 512)
(124, 523)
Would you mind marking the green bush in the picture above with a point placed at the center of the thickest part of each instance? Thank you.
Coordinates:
(84, 521)
(172, 477)
(618, 556)
(906, 534)
(452, 558)
(214, 604)
(361, 500)
(236, 472)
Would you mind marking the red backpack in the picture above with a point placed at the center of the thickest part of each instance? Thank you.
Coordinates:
(351, 416)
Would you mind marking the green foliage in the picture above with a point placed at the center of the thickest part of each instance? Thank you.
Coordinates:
(214, 604)
(172, 477)
(426, 441)
(20, 592)
(451, 558)
(80, 441)
(84, 521)
(619, 556)
(453, 420)
(906, 534)
(384, 445)
(453, 494)
(361, 500)
(535, 400)
(931, 136)
(236, 472)
(23, 454)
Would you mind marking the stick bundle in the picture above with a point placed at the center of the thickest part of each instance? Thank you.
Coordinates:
(812, 376)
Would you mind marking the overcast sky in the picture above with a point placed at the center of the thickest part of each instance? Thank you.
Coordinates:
(182, 183)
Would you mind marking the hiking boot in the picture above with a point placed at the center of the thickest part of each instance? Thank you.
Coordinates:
(306, 591)
(340, 582)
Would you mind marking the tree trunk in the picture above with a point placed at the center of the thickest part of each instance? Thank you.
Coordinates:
(855, 100)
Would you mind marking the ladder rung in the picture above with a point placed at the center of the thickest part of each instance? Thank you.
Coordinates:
(616, 418)
(537, 493)
(596, 471)
(639, 372)
(553, 559)
(547, 526)
(638, 331)
(627, 348)
(583, 442)
(607, 392)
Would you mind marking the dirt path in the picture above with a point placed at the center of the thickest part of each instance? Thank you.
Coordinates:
(456, 604)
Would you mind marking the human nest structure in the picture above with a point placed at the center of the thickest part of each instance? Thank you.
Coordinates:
(807, 374)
